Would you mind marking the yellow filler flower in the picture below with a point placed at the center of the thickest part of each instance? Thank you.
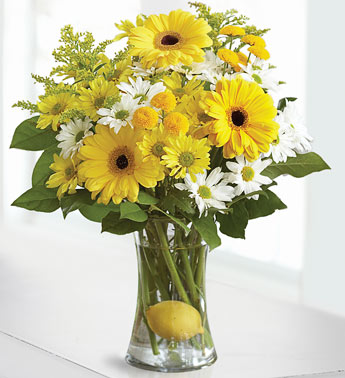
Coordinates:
(186, 154)
(243, 118)
(166, 40)
(114, 167)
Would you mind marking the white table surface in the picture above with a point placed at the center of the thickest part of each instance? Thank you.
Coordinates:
(69, 315)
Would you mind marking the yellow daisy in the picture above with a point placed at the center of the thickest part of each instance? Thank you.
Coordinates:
(52, 107)
(166, 40)
(243, 118)
(186, 154)
(92, 99)
(232, 30)
(176, 84)
(66, 175)
(114, 166)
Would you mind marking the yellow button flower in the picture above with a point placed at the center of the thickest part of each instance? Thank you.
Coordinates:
(145, 118)
(165, 101)
(260, 52)
(176, 123)
(232, 30)
(228, 56)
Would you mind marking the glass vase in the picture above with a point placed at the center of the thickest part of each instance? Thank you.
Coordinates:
(171, 331)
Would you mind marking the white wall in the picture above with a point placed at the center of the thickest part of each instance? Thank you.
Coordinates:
(324, 267)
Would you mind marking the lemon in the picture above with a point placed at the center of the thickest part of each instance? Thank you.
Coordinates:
(174, 320)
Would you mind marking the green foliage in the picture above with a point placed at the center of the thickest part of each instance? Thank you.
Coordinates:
(26, 105)
(97, 211)
(145, 198)
(177, 201)
(114, 224)
(299, 166)
(77, 54)
(176, 220)
(132, 211)
(38, 198)
(41, 170)
(265, 205)
(235, 222)
(207, 228)
(283, 102)
(75, 201)
(28, 137)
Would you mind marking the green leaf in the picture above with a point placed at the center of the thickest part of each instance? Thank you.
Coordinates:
(75, 201)
(146, 199)
(132, 211)
(42, 171)
(38, 198)
(178, 199)
(234, 223)
(114, 224)
(283, 102)
(299, 166)
(28, 137)
(207, 228)
(178, 221)
(264, 206)
(97, 211)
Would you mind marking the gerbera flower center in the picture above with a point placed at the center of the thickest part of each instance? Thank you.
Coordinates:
(79, 136)
(121, 160)
(168, 40)
(158, 149)
(99, 102)
(248, 173)
(238, 116)
(122, 114)
(186, 159)
(204, 192)
(57, 108)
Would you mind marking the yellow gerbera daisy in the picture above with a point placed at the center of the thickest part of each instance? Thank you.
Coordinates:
(166, 40)
(92, 99)
(66, 175)
(52, 107)
(114, 166)
(243, 118)
(186, 154)
(232, 30)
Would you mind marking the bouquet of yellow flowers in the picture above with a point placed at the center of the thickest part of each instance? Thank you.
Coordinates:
(177, 136)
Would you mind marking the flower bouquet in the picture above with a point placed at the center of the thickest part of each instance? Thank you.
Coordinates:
(175, 138)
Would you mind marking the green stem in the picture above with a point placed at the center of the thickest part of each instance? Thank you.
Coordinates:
(200, 270)
(170, 264)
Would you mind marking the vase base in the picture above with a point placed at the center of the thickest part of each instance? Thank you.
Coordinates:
(170, 369)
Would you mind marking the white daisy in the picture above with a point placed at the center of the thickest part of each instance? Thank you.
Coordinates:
(292, 121)
(120, 113)
(210, 191)
(139, 70)
(72, 134)
(261, 72)
(211, 66)
(141, 89)
(282, 147)
(246, 175)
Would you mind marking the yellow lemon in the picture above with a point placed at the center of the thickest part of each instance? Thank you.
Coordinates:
(174, 320)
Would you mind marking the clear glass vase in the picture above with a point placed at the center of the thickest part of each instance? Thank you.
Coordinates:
(171, 331)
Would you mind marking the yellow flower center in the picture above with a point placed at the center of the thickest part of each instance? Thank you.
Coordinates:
(248, 173)
(158, 149)
(121, 160)
(57, 109)
(168, 40)
(99, 102)
(145, 118)
(69, 173)
(237, 116)
(204, 192)
(186, 159)
(175, 123)
(121, 114)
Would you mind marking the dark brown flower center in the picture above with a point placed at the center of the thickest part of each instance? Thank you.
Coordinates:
(122, 162)
(237, 118)
(169, 40)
